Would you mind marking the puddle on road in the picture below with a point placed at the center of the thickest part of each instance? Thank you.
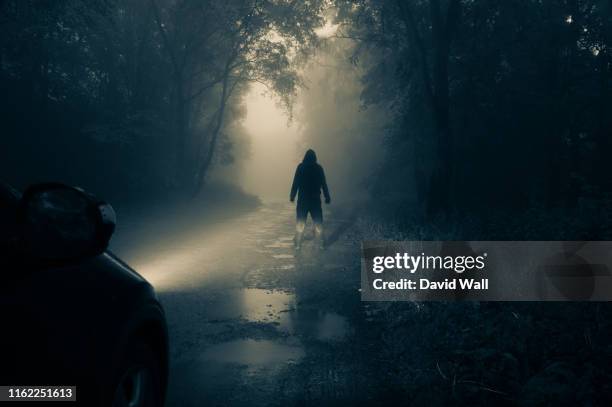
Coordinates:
(320, 325)
(283, 256)
(279, 245)
(253, 352)
(252, 304)
(213, 376)
(278, 308)
(332, 327)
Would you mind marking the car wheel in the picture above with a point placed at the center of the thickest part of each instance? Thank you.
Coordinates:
(140, 381)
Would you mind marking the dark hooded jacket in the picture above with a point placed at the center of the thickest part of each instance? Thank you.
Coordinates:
(309, 180)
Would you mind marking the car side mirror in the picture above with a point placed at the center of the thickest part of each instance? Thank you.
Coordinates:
(59, 222)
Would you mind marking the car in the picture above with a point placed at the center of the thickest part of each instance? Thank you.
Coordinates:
(73, 313)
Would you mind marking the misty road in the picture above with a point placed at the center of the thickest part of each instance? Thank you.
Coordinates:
(250, 320)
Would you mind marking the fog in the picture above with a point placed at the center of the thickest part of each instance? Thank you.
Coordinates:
(269, 168)
(136, 138)
(328, 116)
(451, 120)
(346, 135)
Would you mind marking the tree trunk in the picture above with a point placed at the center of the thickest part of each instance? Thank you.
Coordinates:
(437, 92)
(181, 103)
(203, 169)
(441, 179)
(180, 126)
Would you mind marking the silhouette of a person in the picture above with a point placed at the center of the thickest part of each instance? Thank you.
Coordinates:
(308, 182)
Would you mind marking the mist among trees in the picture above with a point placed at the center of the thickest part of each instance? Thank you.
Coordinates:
(495, 105)
(136, 95)
(445, 108)
(433, 119)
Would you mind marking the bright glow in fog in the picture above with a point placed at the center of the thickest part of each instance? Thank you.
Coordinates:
(327, 30)
(179, 260)
(269, 170)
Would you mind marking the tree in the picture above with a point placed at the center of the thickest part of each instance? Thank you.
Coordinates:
(141, 89)
(244, 41)
(495, 93)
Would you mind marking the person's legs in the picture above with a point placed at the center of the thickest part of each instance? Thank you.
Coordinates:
(316, 212)
(300, 224)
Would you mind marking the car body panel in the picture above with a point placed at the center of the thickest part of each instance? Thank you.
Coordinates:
(67, 324)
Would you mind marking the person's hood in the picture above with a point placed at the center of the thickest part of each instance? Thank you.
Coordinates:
(310, 157)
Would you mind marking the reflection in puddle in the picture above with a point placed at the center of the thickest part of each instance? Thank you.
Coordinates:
(253, 352)
(319, 325)
(279, 245)
(252, 304)
(278, 308)
(332, 327)
(283, 256)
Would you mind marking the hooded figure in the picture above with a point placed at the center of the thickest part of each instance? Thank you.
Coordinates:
(308, 182)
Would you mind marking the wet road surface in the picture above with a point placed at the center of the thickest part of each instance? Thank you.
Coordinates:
(252, 321)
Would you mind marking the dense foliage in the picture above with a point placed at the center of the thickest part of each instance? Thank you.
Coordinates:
(495, 103)
(134, 95)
